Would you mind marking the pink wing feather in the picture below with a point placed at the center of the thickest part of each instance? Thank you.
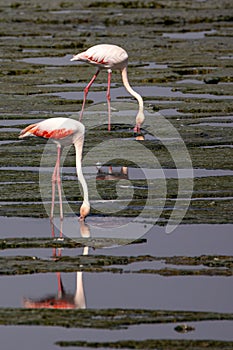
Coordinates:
(53, 128)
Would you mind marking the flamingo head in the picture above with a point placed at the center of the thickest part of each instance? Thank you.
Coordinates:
(84, 211)
(139, 120)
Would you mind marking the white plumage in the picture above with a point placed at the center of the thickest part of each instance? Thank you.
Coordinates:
(110, 57)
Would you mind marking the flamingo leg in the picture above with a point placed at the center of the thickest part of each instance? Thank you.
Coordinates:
(109, 99)
(53, 232)
(59, 181)
(56, 179)
(86, 90)
(53, 235)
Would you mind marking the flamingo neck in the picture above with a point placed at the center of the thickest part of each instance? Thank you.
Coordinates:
(130, 90)
(79, 147)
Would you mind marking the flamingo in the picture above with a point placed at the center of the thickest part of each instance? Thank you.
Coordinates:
(62, 131)
(110, 57)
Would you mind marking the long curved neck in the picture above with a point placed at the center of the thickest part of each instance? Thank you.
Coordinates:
(79, 147)
(130, 90)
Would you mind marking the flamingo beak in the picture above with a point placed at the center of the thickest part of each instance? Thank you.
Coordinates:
(74, 58)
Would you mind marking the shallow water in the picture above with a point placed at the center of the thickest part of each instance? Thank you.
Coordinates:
(189, 35)
(133, 291)
(179, 60)
(45, 337)
(136, 174)
(190, 240)
(154, 92)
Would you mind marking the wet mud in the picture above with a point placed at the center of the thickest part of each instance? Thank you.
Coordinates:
(196, 67)
(180, 60)
(181, 266)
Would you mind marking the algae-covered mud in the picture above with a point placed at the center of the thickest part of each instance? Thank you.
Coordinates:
(177, 172)
(180, 61)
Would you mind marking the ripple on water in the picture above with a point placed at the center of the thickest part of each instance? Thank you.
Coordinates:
(136, 173)
(189, 35)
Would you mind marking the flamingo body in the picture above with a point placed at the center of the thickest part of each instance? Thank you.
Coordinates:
(104, 56)
(110, 57)
(55, 129)
(63, 131)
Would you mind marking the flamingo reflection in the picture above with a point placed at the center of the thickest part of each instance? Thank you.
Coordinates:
(62, 299)
(114, 173)
(111, 173)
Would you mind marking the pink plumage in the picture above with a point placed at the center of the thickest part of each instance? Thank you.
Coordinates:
(54, 128)
(63, 131)
(110, 57)
(104, 56)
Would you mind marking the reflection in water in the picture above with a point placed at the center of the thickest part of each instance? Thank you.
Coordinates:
(116, 174)
(140, 137)
(63, 300)
(110, 173)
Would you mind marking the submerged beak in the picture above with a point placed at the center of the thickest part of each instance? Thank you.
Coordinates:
(74, 58)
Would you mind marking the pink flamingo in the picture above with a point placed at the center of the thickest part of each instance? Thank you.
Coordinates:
(105, 56)
(62, 131)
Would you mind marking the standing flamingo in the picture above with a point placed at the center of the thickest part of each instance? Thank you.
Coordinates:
(62, 131)
(105, 56)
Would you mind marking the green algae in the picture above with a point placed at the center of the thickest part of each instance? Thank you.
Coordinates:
(151, 344)
(103, 318)
(211, 197)
(59, 28)
(208, 265)
(117, 319)
(28, 243)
